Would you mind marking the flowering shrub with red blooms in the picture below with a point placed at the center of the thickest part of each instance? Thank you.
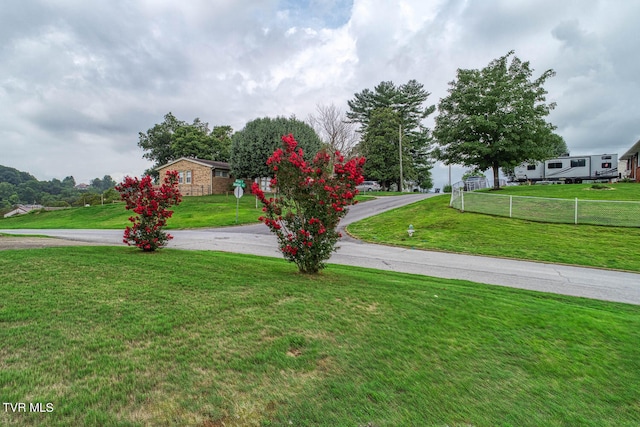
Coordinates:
(309, 202)
(150, 206)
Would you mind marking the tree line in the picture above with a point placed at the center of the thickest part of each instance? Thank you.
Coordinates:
(17, 187)
(492, 118)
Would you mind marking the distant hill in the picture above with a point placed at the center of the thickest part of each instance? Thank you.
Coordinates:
(14, 176)
(17, 187)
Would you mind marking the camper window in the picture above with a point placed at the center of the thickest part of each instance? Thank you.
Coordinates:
(579, 163)
(531, 167)
(557, 165)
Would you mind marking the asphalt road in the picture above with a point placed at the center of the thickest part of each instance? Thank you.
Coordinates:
(255, 239)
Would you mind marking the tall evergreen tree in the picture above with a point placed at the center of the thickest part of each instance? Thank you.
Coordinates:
(377, 147)
(403, 107)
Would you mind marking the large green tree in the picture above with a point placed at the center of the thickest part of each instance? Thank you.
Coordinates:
(221, 143)
(252, 146)
(380, 147)
(495, 118)
(175, 138)
(403, 107)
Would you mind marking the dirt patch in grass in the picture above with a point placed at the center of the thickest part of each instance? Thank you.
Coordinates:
(21, 242)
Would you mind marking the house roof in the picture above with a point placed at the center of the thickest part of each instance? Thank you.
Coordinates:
(22, 209)
(210, 163)
(632, 152)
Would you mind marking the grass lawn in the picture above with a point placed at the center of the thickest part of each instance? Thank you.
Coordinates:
(116, 337)
(193, 212)
(618, 191)
(439, 227)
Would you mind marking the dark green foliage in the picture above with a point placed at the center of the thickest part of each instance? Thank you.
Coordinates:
(495, 118)
(252, 146)
(175, 138)
(380, 147)
(385, 113)
(221, 143)
(18, 187)
(14, 176)
(104, 184)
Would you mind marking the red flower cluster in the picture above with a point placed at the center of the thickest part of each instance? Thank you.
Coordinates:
(151, 208)
(313, 200)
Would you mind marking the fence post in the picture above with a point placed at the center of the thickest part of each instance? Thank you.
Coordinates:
(510, 206)
(461, 201)
(575, 220)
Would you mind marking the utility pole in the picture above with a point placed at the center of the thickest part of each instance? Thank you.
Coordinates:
(400, 150)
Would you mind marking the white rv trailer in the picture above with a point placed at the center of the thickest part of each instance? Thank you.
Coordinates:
(569, 169)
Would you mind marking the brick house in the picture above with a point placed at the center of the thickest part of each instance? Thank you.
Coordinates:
(199, 177)
(633, 163)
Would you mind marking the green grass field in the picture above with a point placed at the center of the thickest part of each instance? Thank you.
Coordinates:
(112, 336)
(193, 212)
(439, 227)
(598, 204)
(617, 191)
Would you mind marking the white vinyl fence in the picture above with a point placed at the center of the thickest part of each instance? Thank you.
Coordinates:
(564, 211)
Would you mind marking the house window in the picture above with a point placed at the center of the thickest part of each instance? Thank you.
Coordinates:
(188, 177)
(531, 167)
(180, 177)
(555, 165)
(579, 163)
(221, 173)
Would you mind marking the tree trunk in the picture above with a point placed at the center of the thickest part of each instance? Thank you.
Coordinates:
(496, 177)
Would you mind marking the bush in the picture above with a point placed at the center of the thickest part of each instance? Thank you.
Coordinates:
(309, 204)
(150, 205)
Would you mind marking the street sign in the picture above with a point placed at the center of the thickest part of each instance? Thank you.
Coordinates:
(238, 191)
(239, 183)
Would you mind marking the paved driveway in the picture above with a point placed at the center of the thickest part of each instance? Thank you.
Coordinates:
(256, 239)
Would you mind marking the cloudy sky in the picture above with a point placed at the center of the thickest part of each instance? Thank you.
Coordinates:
(79, 79)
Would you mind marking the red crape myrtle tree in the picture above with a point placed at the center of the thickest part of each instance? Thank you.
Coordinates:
(151, 208)
(309, 202)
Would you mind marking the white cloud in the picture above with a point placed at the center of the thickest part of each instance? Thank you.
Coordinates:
(79, 80)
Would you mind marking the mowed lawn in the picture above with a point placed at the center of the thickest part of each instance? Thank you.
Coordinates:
(112, 336)
(439, 227)
(193, 212)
